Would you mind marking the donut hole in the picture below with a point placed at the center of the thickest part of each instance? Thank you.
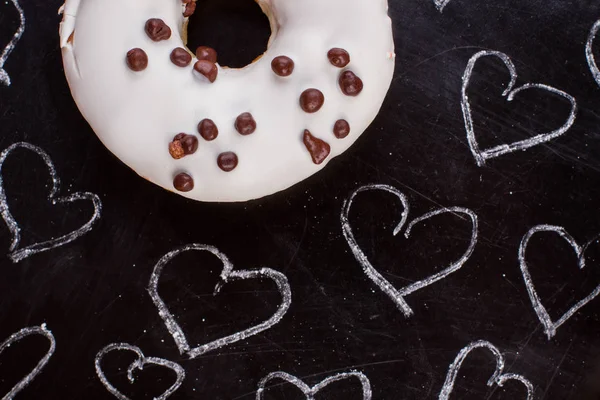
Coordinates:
(237, 29)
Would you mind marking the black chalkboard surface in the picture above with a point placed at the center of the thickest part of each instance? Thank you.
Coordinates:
(487, 291)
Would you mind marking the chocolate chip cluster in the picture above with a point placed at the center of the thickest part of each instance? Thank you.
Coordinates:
(311, 100)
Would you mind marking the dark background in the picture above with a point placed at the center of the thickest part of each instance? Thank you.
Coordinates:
(92, 292)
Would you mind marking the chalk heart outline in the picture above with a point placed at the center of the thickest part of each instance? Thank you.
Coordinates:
(17, 254)
(16, 337)
(499, 377)
(10, 46)
(397, 296)
(550, 327)
(311, 392)
(481, 156)
(589, 52)
(138, 364)
(228, 274)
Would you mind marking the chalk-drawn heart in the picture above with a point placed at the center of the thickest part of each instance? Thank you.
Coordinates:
(310, 392)
(397, 295)
(17, 254)
(440, 4)
(550, 327)
(499, 377)
(482, 155)
(15, 337)
(138, 364)
(589, 53)
(4, 77)
(228, 274)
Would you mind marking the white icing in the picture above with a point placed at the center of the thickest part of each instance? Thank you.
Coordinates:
(137, 114)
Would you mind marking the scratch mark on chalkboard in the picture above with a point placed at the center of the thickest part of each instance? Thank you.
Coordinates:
(17, 254)
(523, 343)
(4, 77)
(108, 306)
(550, 326)
(397, 296)
(589, 54)
(499, 377)
(303, 235)
(482, 155)
(562, 360)
(433, 57)
(513, 285)
(137, 364)
(310, 392)
(15, 337)
(395, 180)
(228, 274)
(238, 353)
(575, 157)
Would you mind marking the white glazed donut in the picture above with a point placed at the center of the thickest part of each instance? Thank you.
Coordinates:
(137, 109)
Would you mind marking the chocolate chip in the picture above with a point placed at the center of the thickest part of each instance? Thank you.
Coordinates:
(176, 149)
(183, 182)
(350, 84)
(190, 9)
(157, 30)
(181, 57)
(208, 129)
(245, 124)
(183, 145)
(282, 66)
(319, 149)
(208, 69)
(137, 59)
(338, 57)
(206, 53)
(190, 144)
(341, 128)
(227, 161)
(311, 100)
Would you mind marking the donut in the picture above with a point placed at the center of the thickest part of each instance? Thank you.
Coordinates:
(212, 133)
